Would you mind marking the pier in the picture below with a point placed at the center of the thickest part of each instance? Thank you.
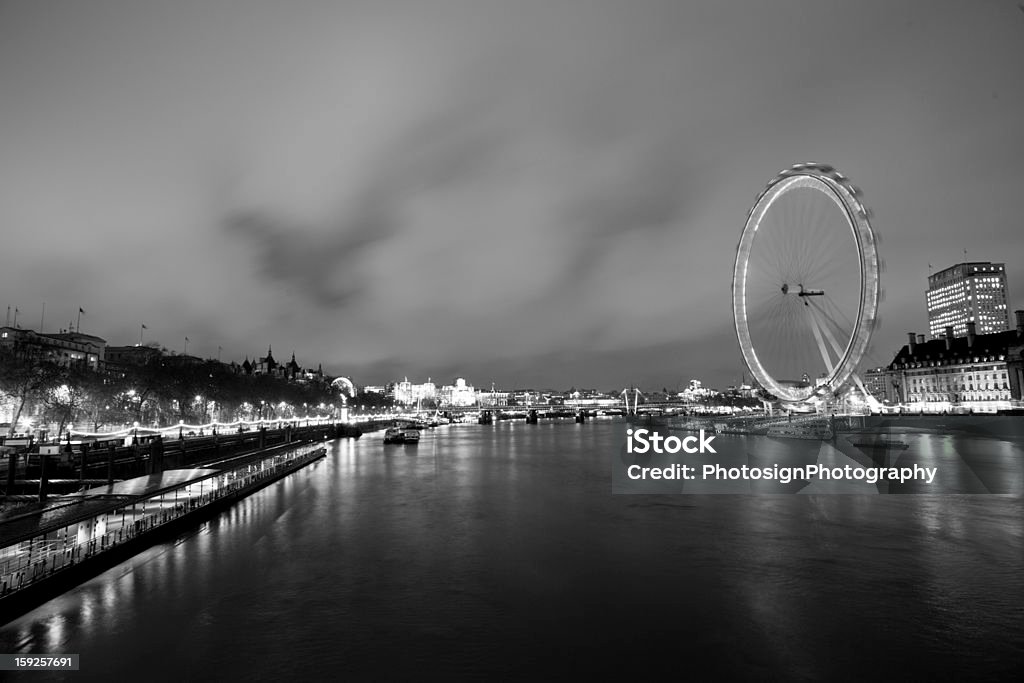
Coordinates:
(37, 472)
(49, 550)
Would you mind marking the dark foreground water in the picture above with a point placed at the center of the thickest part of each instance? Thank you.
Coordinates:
(501, 551)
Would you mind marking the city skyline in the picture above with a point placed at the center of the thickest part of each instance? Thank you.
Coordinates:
(551, 196)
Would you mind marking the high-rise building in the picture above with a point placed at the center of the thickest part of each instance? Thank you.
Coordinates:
(968, 292)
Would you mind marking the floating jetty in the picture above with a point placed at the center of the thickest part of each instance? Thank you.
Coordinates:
(50, 550)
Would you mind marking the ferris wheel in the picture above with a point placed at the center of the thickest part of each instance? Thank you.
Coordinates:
(345, 387)
(805, 283)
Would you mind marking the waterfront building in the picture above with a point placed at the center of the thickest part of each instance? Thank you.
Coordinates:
(696, 391)
(407, 393)
(63, 348)
(525, 397)
(494, 399)
(307, 375)
(267, 365)
(131, 355)
(979, 372)
(878, 382)
(179, 360)
(459, 394)
(968, 292)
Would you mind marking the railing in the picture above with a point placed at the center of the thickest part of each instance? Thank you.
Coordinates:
(31, 561)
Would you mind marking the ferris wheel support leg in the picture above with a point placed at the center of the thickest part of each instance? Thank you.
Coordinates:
(828, 332)
(818, 338)
(872, 402)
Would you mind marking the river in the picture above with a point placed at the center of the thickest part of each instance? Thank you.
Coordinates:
(501, 551)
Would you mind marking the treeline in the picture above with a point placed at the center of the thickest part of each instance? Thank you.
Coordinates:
(161, 392)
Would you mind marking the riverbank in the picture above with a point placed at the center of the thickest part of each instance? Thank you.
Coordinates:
(47, 552)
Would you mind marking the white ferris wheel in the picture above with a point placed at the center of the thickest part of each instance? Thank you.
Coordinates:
(805, 283)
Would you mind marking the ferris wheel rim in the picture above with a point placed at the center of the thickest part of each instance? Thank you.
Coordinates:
(837, 188)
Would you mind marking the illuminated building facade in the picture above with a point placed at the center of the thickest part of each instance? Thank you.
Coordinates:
(878, 383)
(407, 393)
(968, 292)
(458, 394)
(65, 348)
(979, 372)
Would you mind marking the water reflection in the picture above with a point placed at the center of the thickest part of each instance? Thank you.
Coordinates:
(500, 549)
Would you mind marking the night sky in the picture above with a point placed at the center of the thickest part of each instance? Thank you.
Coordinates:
(531, 193)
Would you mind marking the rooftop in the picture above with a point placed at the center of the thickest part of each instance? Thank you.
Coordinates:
(960, 348)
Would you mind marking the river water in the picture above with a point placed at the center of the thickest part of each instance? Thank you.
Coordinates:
(501, 551)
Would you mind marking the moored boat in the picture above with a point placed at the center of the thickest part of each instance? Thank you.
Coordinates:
(400, 435)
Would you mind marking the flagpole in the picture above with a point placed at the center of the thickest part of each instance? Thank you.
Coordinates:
(78, 321)
(141, 328)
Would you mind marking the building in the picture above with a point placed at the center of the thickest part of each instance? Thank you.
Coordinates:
(267, 365)
(64, 348)
(878, 383)
(979, 372)
(696, 392)
(407, 393)
(494, 399)
(131, 355)
(968, 292)
(458, 394)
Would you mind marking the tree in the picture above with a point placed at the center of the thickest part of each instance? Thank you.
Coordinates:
(65, 397)
(26, 381)
(105, 399)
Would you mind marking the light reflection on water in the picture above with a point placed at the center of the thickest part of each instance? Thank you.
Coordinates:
(501, 549)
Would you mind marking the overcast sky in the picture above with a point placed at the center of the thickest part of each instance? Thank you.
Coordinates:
(531, 193)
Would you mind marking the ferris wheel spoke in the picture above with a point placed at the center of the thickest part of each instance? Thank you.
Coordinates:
(823, 256)
(817, 273)
(803, 228)
(828, 240)
(831, 305)
(768, 257)
(810, 223)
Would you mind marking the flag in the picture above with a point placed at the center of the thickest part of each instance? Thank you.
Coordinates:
(81, 311)
(186, 338)
(144, 327)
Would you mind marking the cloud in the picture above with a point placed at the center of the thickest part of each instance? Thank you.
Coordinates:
(544, 187)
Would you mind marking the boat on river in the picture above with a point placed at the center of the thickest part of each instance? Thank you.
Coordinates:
(400, 435)
(881, 443)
